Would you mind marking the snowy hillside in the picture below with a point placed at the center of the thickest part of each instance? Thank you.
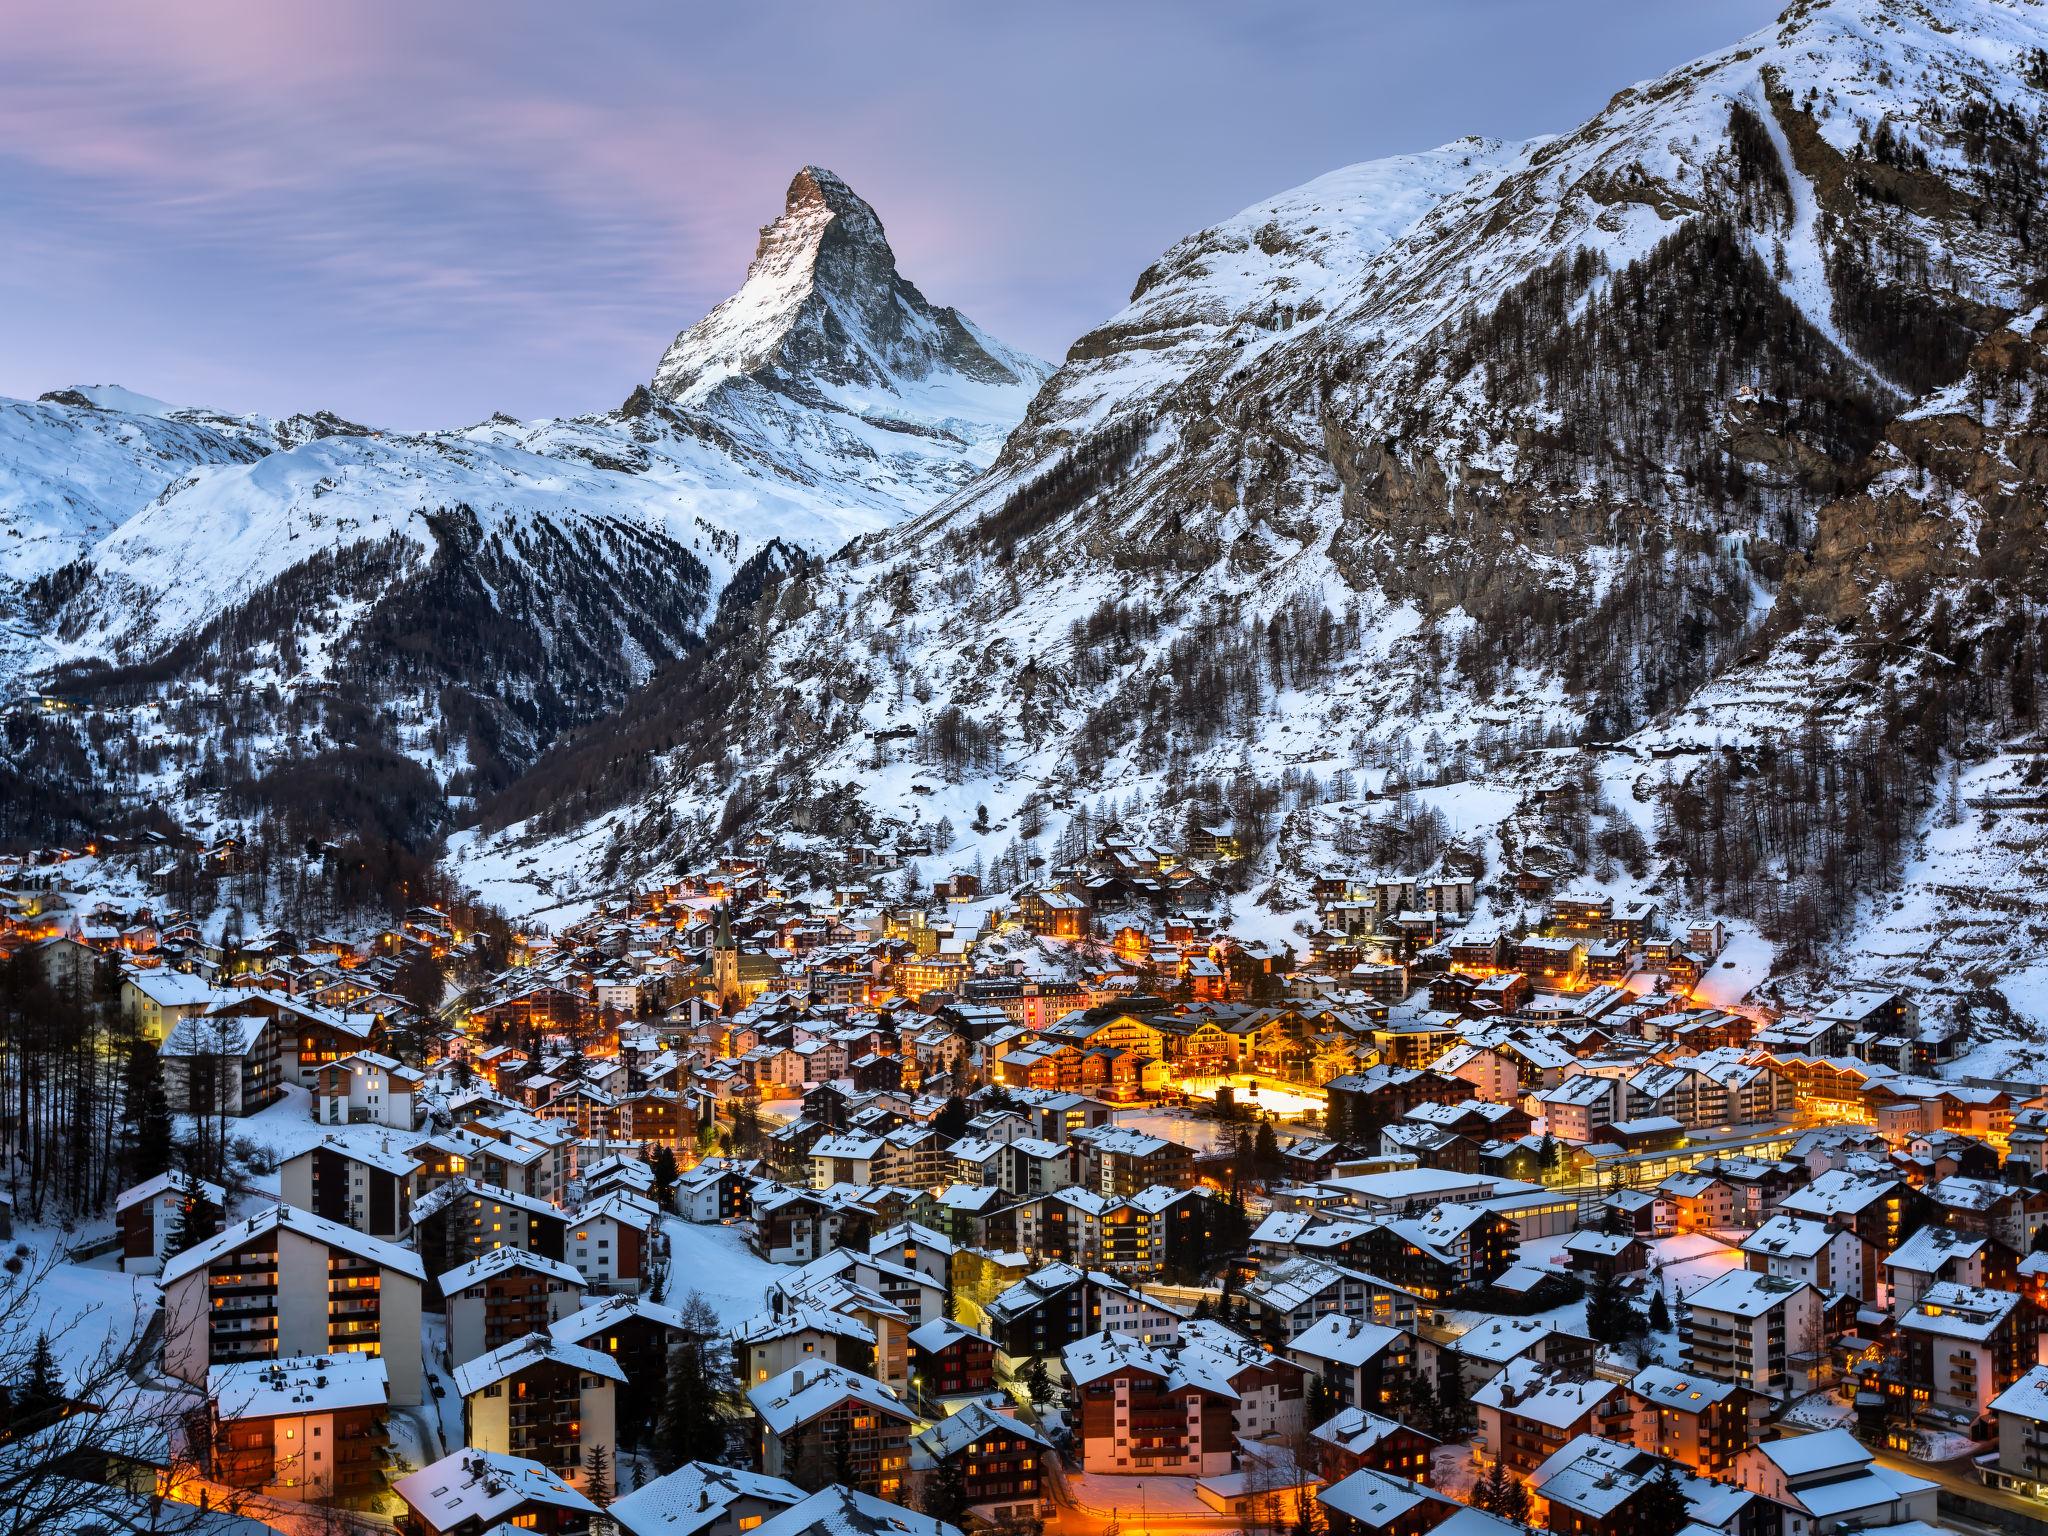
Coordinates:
(238, 559)
(1432, 473)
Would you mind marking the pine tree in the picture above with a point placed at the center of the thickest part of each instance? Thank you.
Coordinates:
(597, 1476)
(147, 1112)
(1511, 1495)
(40, 1393)
(691, 1428)
(1453, 1406)
(663, 1166)
(1038, 1384)
(951, 1120)
(945, 1492)
(1492, 1491)
(198, 1217)
(1660, 1313)
(1659, 1507)
(1309, 1519)
(1266, 1150)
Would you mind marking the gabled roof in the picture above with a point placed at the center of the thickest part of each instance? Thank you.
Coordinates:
(1344, 1340)
(839, 1511)
(499, 1261)
(695, 1495)
(483, 1485)
(240, 1233)
(804, 1391)
(521, 1354)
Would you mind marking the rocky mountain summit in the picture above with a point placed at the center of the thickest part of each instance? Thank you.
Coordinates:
(228, 599)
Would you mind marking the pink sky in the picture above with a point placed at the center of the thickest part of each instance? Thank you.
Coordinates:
(418, 214)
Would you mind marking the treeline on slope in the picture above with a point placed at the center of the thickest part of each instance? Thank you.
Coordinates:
(482, 652)
(1791, 834)
(1676, 606)
(1214, 679)
(77, 1122)
(683, 708)
(1636, 368)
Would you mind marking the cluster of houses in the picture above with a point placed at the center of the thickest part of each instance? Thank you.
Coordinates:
(1015, 1243)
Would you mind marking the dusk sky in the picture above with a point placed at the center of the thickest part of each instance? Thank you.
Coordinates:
(416, 214)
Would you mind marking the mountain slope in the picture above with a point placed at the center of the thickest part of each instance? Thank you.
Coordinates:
(1445, 472)
(237, 567)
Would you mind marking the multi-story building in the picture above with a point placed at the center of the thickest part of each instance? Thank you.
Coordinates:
(368, 1188)
(546, 1401)
(506, 1295)
(2022, 1412)
(149, 1215)
(1964, 1345)
(951, 1360)
(704, 1499)
(288, 1283)
(470, 1492)
(823, 1423)
(998, 1457)
(306, 1428)
(1756, 1331)
(1145, 1410)
(1693, 1419)
(366, 1088)
(1363, 1362)
(1528, 1413)
(1054, 1305)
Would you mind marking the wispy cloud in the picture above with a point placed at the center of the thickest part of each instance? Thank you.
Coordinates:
(415, 214)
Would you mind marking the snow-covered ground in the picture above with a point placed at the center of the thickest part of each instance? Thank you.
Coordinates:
(715, 1261)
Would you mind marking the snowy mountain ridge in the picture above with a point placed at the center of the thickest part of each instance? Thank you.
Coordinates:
(141, 539)
(1448, 476)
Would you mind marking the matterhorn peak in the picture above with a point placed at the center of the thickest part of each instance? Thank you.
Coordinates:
(823, 305)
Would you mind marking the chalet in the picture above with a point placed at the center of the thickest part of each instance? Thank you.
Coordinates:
(1055, 914)
(368, 1188)
(951, 1360)
(1962, 1346)
(998, 1456)
(305, 1428)
(1145, 1410)
(505, 1295)
(1053, 1306)
(1288, 1297)
(1693, 1419)
(156, 999)
(818, 1421)
(1754, 1330)
(799, 1333)
(1371, 1503)
(1363, 1362)
(1354, 1438)
(1487, 1348)
(1828, 1482)
(471, 1492)
(702, 1498)
(287, 1282)
(1934, 1255)
(366, 1088)
(1830, 1259)
(149, 1216)
(1527, 1413)
(1594, 1486)
(222, 1063)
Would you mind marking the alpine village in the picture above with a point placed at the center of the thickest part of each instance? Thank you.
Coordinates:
(1263, 931)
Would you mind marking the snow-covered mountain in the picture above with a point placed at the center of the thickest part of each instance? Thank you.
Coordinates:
(1469, 471)
(239, 567)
